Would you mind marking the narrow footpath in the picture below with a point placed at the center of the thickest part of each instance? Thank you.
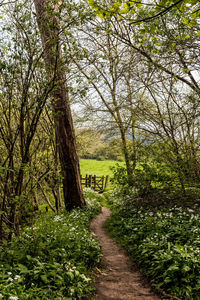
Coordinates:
(119, 279)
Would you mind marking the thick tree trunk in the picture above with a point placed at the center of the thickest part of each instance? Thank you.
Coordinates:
(49, 29)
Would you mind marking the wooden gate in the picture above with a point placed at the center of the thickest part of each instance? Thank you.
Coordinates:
(97, 183)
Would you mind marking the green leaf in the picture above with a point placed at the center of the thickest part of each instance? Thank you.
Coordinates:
(173, 268)
(22, 268)
(44, 278)
(100, 15)
(185, 21)
(186, 268)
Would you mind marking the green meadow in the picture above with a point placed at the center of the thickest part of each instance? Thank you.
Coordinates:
(98, 167)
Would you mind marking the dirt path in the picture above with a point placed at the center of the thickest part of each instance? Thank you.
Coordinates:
(120, 279)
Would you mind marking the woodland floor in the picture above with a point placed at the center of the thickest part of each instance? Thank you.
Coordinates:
(120, 278)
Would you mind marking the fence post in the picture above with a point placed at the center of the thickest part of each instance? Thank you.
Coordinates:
(90, 181)
(95, 182)
(106, 181)
(102, 183)
(86, 180)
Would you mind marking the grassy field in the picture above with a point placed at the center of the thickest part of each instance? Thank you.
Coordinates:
(97, 167)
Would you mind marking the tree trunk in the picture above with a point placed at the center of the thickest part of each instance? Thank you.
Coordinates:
(129, 167)
(48, 24)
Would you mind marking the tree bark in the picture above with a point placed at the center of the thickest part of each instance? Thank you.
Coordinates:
(48, 24)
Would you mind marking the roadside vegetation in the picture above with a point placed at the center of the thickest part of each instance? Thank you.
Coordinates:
(165, 243)
(159, 225)
(54, 256)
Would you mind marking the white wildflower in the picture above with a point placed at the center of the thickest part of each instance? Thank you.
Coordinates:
(58, 218)
(10, 279)
(13, 298)
(16, 277)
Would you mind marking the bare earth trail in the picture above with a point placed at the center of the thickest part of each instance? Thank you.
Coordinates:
(120, 279)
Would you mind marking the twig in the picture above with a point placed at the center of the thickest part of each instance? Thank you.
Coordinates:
(165, 294)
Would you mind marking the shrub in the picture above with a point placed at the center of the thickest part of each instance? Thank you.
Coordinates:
(165, 243)
(151, 181)
(53, 258)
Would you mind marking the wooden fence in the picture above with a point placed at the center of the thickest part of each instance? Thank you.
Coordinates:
(97, 183)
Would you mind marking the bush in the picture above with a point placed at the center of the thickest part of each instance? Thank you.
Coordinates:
(119, 176)
(149, 180)
(53, 258)
(165, 243)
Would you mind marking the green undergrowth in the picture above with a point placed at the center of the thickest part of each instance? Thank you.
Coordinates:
(54, 258)
(165, 242)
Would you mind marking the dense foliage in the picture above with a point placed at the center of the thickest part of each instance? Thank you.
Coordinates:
(53, 258)
(132, 74)
(157, 182)
(93, 145)
(164, 241)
